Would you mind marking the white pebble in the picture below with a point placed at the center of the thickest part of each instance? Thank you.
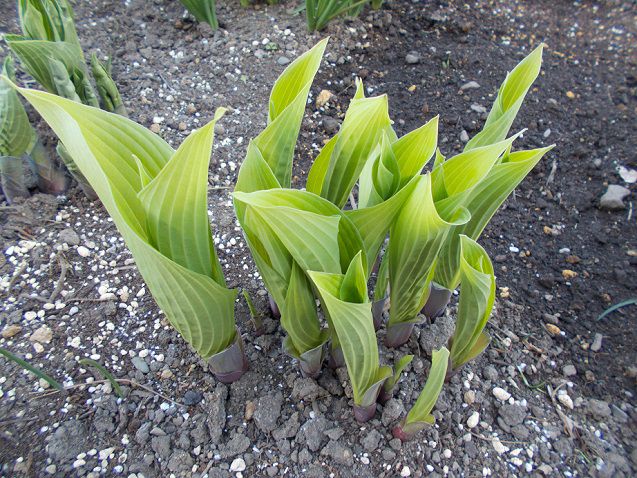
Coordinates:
(238, 465)
(565, 400)
(501, 394)
(499, 447)
(473, 420)
(83, 251)
(405, 471)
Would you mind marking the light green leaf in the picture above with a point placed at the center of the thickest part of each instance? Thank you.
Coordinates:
(104, 147)
(414, 241)
(477, 294)
(414, 150)
(509, 100)
(421, 411)
(203, 11)
(352, 322)
(16, 133)
(398, 368)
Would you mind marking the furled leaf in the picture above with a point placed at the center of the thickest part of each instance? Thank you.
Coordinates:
(398, 368)
(477, 294)
(420, 413)
(16, 133)
(509, 100)
(352, 322)
(104, 147)
(106, 88)
(482, 202)
(415, 239)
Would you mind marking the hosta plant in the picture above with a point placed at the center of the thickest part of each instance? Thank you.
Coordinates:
(50, 51)
(502, 178)
(388, 387)
(19, 143)
(203, 11)
(157, 198)
(419, 416)
(346, 304)
(320, 12)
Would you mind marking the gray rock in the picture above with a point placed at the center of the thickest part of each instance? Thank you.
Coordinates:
(612, 200)
(259, 53)
(140, 364)
(180, 461)
(339, 453)
(478, 108)
(268, 411)
(392, 411)
(388, 454)
(192, 397)
(412, 58)
(312, 432)
(437, 335)
(69, 236)
(464, 136)
(371, 441)
(289, 429)
(334, 433)
(216, 404)
(330, 125)
(512, 414)
(598, 408)
(283, 60)
(161, 446)
(143, 433)
(307, 389)
(237, 445)
(490, 373)
(68, 441)
(569, 370)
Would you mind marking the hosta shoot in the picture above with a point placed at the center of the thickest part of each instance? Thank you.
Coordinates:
(19, 143)
(320, 12)
(420, 417)
(477, 295)
(388, 388)
(157, 198)
(203, 11)
(345, 302)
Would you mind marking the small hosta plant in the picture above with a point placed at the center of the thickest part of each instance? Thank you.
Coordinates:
(50, 51)
(20, 144)
(203, 11)
(157, 198)
(320, 12)
(345, 301)
(477, 295)
(419, 416)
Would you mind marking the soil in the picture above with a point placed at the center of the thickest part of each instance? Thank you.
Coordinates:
(571, 377)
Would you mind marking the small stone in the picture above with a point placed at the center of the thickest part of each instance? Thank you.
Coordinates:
(43, 335)
(392, 411)
(566, 400)
(250, 408)
(339, 453)
(267, 412)
(471, 85)
(10, 331)
(192, 397)
(219, 129)
(371, 441)
(499, 447)
(512, 414)
(191, 109)
(182, 126)
(490, 373)
(478, 108)
(51, 469)
(569, 274)
(405, 471)
(238, 464)
(473, 420)
(412, 58)
(553, 329)
(570, 95)
(569, 370)
(69, 236)
(464, 136)
(140, 364)
(83, 251)
(330, 125)
(612, 200)
(283, 60)
(501, 394)
(155, 128)
(469, 397)
(597, 343)
(323, 97)
(307, 389)
(598, 408)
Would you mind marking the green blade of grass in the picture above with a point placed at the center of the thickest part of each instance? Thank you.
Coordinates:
(34, 370)
(105, 373)
(615, 307)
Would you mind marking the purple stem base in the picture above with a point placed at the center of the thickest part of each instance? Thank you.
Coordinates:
(336, 360)
(229, 365)
(364, 414)
(437, 302)
(398, 334)
(276, 313)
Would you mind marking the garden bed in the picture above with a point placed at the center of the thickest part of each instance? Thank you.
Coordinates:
(571, 378)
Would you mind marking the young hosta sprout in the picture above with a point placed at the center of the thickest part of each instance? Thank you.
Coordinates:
(477, 295)
(388, 388)
(420, 417)
(320, 12)
(203, 11)
(344, 300)
(157, 198)
(106, 88)
(510, 169)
